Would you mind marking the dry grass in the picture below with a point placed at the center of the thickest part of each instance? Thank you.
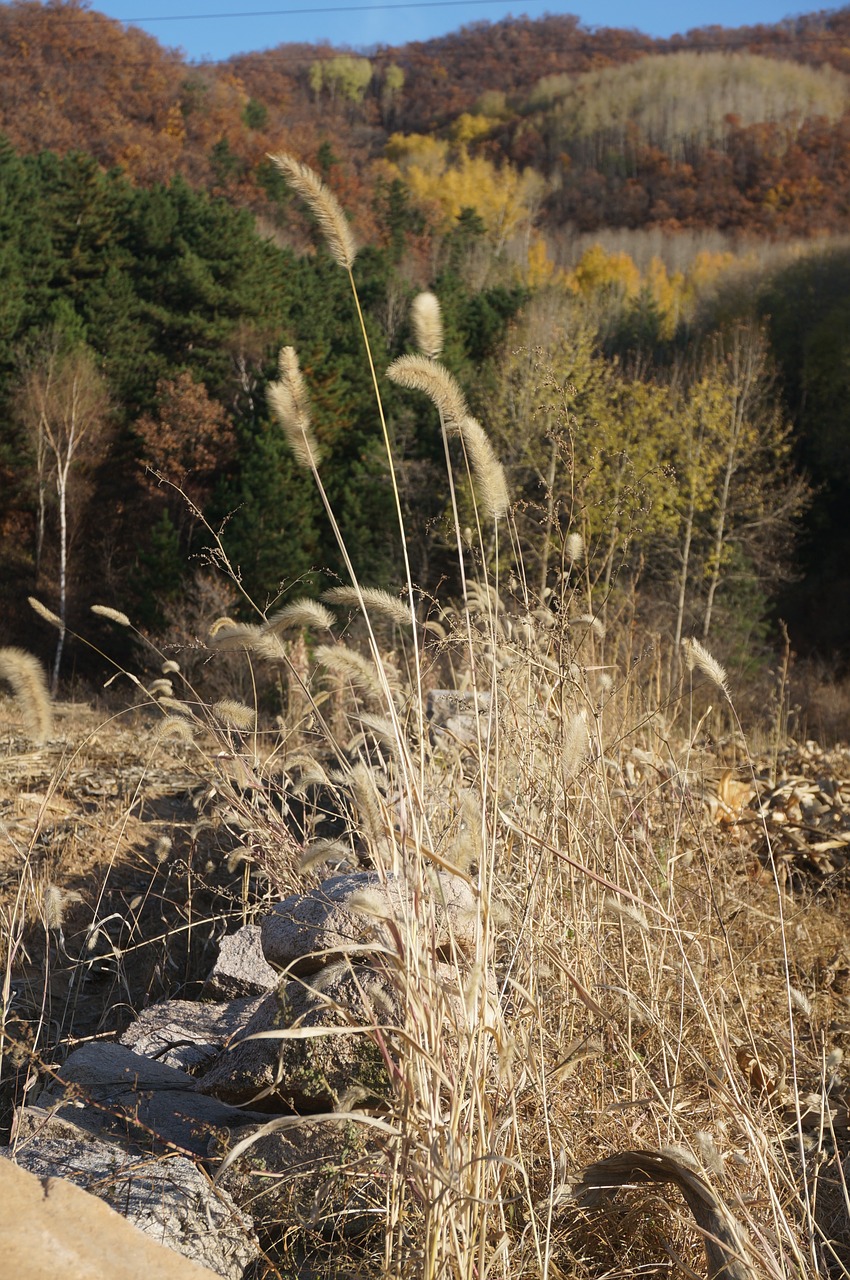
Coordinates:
(656, 984)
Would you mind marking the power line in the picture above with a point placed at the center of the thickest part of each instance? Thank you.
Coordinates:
(311, 9)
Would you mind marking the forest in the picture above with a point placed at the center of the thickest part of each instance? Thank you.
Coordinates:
(424, 682)
(638, 246)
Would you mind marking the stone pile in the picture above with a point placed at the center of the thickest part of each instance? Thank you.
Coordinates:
(294, 1033)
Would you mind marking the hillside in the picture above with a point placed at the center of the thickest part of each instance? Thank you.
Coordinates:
(636, 211)
(140, 107)
(424, 819)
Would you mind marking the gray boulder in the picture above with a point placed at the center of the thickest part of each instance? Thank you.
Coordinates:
(241, 968)
(119, 1095)
(352, 914)
(51, 1229)
(315, 1072)
(187, 1034)
(170, 1200)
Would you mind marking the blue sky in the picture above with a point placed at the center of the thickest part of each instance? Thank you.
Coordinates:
(214, 29)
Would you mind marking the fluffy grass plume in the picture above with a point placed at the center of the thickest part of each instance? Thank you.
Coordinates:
(576, 744)
(233, 714)
(234, 635)
(574, 548)
(114, 615)
(299, 614)
(427, 320)
(491, 488)
(375, 600)
(26, 675)
(324, 206)
(288, 399)
(43, 612)
(162, 686)
(175, 726)
(697, 658)
(56, 899)
(333, 851)
(421, 373)
(352, 666)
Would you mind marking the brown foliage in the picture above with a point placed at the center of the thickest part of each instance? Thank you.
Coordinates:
(189, 438)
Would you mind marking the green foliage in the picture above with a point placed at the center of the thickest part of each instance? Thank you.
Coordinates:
(680, 483)
(256, 114)
(225, 164)
(344, 77)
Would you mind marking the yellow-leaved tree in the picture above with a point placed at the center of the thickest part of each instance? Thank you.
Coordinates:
(444, 178)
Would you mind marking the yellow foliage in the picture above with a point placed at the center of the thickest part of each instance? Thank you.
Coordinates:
(541, 268)
(598, 270)
(707, 267)
(446, 180)
(667, 293)
(467, 127)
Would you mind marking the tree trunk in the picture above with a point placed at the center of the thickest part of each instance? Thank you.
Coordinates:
(62, 494)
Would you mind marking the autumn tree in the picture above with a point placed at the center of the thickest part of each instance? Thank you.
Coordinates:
(63, 403)
(184, 445)
(446, 179)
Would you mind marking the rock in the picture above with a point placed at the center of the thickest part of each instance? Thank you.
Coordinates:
(351, 914)
(186, 1034)
(241, 968)
(53, 1229)
(112, 1092)
(170, 1199)
(315, 1073)
(461, 716)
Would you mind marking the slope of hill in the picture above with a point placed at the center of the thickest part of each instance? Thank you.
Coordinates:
(531, 89)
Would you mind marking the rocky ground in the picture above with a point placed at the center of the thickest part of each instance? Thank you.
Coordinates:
(143, 950)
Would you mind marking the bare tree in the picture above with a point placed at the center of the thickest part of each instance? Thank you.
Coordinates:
(64, 404)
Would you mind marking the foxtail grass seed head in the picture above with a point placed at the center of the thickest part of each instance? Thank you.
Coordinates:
(491, 488)
(289, 401)
(25, 674)
(369, 903)
(299, 614)
(114, 615)
(800, 1002)
(351, 666)
(380, 728)
(162, 849)
(472, 991)
(171, 668)
(712, 1160)
(629, 912)
(271, 648)
(576, 743)
(324, 206)
(427, 321)
(161, 688)
(175, 726)
(574, 548)
(594, 624)
(421, 373)
(43, 612)
(697, 658)
(233, 714)
(56, 900)
(374, 598)
(174, 704)
(322, 851)
(234, 635)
